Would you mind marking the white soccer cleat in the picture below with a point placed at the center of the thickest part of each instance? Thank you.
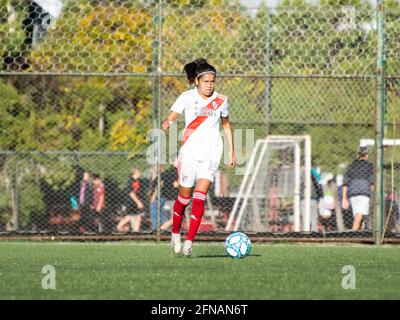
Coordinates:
(176, 242)
(187, 248)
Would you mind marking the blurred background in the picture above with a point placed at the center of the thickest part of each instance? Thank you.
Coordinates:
(84, 83)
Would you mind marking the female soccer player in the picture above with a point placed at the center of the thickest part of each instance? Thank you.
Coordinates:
(201, 149)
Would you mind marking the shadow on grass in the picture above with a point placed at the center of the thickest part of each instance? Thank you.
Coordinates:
(224, 256)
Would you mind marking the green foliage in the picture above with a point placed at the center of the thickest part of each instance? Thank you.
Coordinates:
(98, 36)
(213, 29)
(57, 171)
(322, 101)
(20, 176)
(10, 105)
(5, 200)
(113, 167)
(336, 144)
(326, 37)
(11, 28)
(393, 37)
(250, 102)
(31, 202)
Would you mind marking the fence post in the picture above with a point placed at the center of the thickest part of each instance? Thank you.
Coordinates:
(380, 120)
(157, 80)
(268, 69)
(15, 196)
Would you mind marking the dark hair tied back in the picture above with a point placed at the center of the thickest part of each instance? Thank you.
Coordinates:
(197, 67)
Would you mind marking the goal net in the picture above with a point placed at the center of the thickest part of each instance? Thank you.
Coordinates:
(274, 195)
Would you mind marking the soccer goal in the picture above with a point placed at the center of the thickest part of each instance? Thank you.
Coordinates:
(275, 192)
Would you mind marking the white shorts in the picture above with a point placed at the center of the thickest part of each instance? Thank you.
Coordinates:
(189, 170)
(360, 204)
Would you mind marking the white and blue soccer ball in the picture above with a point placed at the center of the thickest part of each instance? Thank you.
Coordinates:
(237, 245)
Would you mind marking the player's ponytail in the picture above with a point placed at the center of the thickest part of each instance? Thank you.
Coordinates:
(190, 70)
(197, 68)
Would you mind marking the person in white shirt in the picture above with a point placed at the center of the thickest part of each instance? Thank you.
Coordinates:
(201, 150)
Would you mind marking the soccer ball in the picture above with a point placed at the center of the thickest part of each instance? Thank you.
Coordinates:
(326, 213)
(237, 245)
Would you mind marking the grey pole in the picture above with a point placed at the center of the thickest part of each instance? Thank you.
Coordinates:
(380, 119)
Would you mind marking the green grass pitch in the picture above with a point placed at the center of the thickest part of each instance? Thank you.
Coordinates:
(130, 270)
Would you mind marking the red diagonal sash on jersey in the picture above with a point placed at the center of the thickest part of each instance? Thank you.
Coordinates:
(214, 105)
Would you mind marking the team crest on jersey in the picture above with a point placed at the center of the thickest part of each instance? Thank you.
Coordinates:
(215, 105)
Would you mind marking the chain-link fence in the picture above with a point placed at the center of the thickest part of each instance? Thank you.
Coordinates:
(84, 86)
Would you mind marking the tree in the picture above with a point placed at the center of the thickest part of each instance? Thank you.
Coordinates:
(325, 38)
(98, 37)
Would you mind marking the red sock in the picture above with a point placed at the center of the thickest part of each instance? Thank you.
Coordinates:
(197, 213)
(179, 209)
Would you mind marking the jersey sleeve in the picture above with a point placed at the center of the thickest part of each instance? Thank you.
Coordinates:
(178, 105)
(224, 109)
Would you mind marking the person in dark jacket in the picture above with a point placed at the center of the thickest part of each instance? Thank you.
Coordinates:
(357, 187)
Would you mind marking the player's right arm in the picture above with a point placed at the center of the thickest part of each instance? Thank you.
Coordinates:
(176, 110)
(169, 120)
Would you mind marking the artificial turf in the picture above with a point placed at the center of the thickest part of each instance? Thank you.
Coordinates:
(130, 270)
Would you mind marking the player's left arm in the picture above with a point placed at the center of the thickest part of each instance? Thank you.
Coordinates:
(226, 125)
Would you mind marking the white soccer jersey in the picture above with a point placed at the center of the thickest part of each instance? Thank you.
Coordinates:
(202, 138)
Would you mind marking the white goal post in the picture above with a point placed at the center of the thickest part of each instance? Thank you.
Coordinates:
(252, 197)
